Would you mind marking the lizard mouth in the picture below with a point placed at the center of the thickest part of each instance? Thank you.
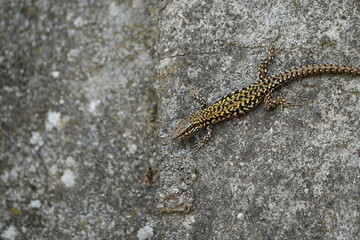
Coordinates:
(182, 129)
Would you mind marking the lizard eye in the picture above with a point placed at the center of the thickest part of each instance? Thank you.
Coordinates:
(182, 129)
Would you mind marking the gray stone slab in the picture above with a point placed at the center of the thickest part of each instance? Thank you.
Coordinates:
(281, 174)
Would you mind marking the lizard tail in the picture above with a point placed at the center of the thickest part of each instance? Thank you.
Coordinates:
(277, 80)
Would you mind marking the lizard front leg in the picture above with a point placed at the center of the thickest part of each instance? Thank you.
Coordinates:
(202, 103)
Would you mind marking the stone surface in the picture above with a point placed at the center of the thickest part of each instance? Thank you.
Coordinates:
(281, 174)
(77, 102)
(89, 94)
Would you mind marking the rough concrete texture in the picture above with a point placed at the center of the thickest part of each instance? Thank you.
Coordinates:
(77, 103)
(86, 119)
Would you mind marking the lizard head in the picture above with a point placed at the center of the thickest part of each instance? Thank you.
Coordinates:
(184, 128)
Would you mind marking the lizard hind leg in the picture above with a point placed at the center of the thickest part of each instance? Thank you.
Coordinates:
(270, 56)
(264, 63)
(273, 102)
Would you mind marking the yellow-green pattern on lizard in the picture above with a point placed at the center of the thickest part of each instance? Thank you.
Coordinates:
(244, 100)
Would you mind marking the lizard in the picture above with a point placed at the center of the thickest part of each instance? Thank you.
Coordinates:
(242, 101)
